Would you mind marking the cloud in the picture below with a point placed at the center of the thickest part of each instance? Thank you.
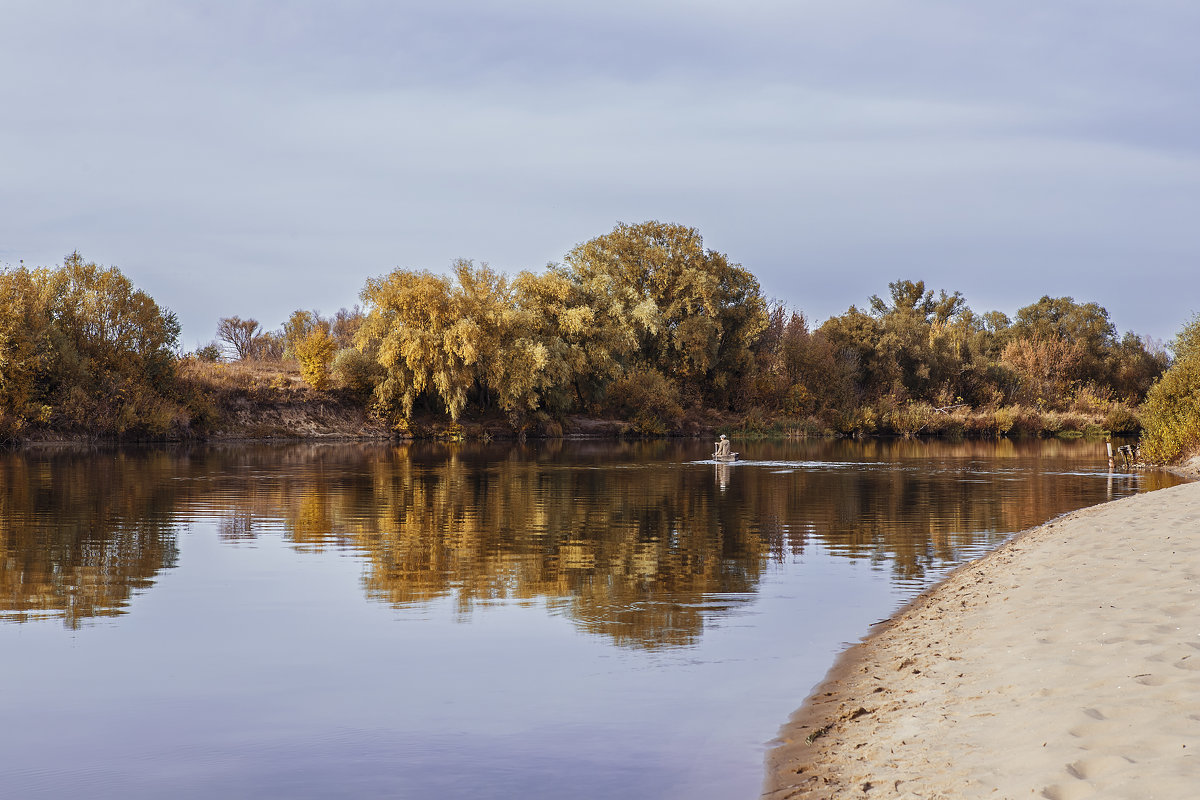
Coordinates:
(254, 158)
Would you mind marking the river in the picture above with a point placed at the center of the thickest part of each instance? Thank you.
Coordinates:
(547, 620)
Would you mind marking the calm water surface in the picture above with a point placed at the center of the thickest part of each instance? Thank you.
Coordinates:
(584, 620)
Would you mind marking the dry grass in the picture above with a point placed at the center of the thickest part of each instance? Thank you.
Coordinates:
(243, 377)
(269, 399)
(921, 419)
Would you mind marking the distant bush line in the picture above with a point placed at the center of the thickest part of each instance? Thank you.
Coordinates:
(642, 324)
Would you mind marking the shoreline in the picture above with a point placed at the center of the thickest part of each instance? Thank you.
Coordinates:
(1064, 663)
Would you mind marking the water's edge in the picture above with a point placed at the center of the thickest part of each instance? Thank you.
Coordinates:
(785, 755)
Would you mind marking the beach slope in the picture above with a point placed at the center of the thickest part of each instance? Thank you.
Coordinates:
(1066, 664)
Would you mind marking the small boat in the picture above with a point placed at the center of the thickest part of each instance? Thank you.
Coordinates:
(726, 457)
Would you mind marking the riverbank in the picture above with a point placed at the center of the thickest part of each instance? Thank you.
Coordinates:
(1063, 665)
(270, 400)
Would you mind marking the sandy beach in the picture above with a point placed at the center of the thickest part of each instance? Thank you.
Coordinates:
(1066, 664)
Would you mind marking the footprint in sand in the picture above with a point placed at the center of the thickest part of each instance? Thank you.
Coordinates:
(1068, 791)
(1089, 727)
(1188, 663)
(1088, 768)
(1150, 680)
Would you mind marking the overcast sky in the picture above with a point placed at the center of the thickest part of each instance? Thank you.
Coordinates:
(252, 158)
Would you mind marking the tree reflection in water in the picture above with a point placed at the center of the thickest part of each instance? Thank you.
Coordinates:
(634, 541)
(80, 533)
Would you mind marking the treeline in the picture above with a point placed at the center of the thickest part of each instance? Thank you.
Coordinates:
(645, 324)
(916, 361)
(642, 324)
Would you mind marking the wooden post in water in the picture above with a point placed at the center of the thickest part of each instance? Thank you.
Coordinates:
(1111, 464)
(1126, 451)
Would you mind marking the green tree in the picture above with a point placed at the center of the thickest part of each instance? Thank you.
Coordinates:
(920, 341)
(855, 337)
(582, 337)
(210, 353)
(357, 372)
(692, 313)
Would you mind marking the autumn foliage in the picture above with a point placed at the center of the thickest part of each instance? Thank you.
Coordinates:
(644, 299)
(642, 324)
(82, 350)
(1172, 409)
(918, 361)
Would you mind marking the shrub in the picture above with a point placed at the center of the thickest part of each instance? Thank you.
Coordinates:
(648, 398)
(911, 418)
(1026, 421)
(1171, 413)
(11, 427)
(649, 424)
(1090, 400)
(315, 354)
(356, 371)
(547, 426)
(860, 421)
(755, 422)
(978, 423)
(210, 353)
(798, 401)
(1121, 419)
(1063, 423)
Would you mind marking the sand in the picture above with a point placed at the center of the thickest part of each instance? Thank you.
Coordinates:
(1065, 664)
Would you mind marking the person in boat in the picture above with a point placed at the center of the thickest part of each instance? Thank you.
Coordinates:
(722, 447)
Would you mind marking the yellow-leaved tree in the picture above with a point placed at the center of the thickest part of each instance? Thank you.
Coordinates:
(454, 340)
(645, 297)
(24, 335)
(583, 337)
(315, 353)
(81, 348)
(694, 315)
(408, 315)
(1171, 413)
